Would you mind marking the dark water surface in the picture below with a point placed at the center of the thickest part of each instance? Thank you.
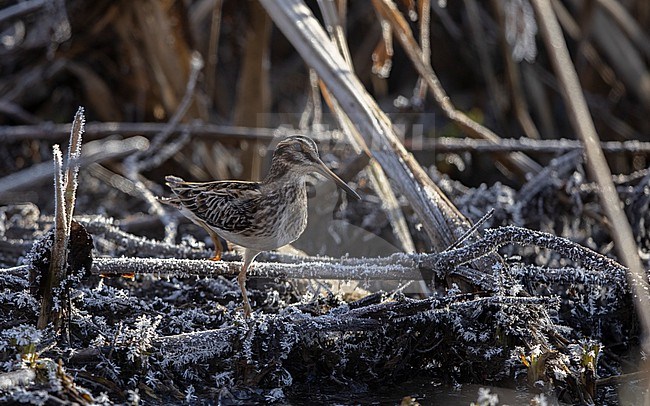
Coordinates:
(425, 393)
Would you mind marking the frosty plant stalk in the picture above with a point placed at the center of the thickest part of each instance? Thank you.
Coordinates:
(65, 188)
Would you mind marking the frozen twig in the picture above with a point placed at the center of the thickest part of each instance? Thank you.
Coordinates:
(572, 276)
(493, 239)
(444, 144)
(472, 230)
(203, 345)
(120, 243)
(56, 132)
(395, 267)
(20, 377)
(197, 130)
(65, 189)
(559, 168)
(358, 269)
(72, 166)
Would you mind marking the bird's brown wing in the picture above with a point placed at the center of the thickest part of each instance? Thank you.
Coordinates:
(226, 205)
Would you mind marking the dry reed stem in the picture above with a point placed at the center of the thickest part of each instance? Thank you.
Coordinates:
(424, 16)
(519, 103)
(65, 189)
(213, 47)
(495, 91)
(587, 49)
(403, 33)
(581, 120)
(52, 279)
(134, 164)
(378, 178)
(72, 166)
(441, 220)
(621, 16)
(24, 7)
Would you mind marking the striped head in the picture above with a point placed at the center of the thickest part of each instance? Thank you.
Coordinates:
(297, 152)
(297, 156)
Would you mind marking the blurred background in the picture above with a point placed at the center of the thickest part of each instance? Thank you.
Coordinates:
(130, 62)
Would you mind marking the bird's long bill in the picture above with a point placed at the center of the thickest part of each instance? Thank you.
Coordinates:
(325, 171)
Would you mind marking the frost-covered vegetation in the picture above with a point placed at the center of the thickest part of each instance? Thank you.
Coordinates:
(176, 333)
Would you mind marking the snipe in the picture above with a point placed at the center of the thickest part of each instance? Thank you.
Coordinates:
(259, 216)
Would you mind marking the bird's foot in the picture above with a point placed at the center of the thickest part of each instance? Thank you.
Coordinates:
(246, 310)
(216, 257)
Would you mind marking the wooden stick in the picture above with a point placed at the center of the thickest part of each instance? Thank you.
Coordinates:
(395, 267)
(444, 144)
(95, 131)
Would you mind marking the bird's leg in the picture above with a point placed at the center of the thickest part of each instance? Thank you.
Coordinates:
(241, 279)
(249, 255)
(218, 248)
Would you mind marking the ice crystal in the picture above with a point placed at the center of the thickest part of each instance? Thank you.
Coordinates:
(21, 299)
(274, 395)
(112, 370)
(486, 398)
(190, 394)
(151, 379)
(133, 397)
(493, 352)
(21, 396)
(223, 379)
(539, 400)
(145, 331)
(453, 290)
(23, 335)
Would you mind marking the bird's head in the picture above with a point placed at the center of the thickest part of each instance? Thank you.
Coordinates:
(299, 155)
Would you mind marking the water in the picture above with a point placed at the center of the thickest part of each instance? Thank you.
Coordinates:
(424, 392)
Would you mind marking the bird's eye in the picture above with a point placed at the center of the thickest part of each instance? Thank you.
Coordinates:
(297, 147)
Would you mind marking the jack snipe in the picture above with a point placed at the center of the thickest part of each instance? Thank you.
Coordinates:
(258, 216)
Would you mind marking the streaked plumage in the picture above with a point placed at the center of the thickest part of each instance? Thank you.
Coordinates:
(258, 216)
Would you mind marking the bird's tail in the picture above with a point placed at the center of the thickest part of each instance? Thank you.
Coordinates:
(170, 201)
(173, 182)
